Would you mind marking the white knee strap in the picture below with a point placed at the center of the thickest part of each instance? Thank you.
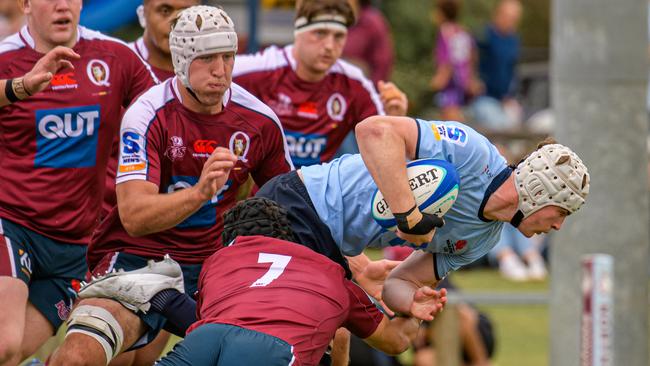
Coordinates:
(99, 324)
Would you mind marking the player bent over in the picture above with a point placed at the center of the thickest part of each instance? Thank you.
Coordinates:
(329, 208)
(186, 146)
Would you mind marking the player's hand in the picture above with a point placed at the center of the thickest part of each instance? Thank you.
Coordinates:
(39, 77)
(394, 100)
(372, 279)
(215, 172)
(417, 227)
(427, 303)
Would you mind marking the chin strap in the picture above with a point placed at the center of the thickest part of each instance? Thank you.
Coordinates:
(191, 92)
(516, 219)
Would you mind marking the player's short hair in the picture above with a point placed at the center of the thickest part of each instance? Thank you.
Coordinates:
(256, 216)
(309, 9)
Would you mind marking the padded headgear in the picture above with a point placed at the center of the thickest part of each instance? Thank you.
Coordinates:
(552, 175)
(256, 216)
(200, 30)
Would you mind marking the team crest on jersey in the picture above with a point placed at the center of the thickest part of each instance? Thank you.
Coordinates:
(336, 107)
(283, 106)
(175, 151)
(239, 145)
(98, 72)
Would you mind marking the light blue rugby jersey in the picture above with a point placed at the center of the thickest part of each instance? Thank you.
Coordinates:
(342, 194)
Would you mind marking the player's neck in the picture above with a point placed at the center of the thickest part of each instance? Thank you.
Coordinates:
(190, 102)
(157, 58)
(502, 204)
(306, 73)
(44, 46)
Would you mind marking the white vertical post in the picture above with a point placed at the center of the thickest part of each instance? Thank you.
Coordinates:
(597, 328)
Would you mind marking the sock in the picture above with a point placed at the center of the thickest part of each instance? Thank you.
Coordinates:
(178, 308)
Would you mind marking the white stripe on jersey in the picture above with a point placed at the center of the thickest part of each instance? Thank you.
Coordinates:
(243, 97)
(10, 251)
(293, 357)
(11, 43)
(140, 48)
(139, 116)
(270, 59)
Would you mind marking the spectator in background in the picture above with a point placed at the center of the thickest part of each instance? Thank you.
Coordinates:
(454, 79)
(369, 44)
(499, 53)
(518, 257)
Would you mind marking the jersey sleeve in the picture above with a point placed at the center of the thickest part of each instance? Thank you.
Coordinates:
(140, 142)
(137, 73)
(363, 317)
(276, 159)
(456, 143)
(445, 263)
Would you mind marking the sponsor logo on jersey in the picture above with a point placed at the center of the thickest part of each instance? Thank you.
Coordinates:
(239, 145)
(283, 106)
(453, 134)
(207, 215)
(67, 137)
(336, 107)
(64, 81)
(175, 150)
(308, 110)
(132, 153)
(203, 148)
(305, 149)
(98, 72)
(454, 247)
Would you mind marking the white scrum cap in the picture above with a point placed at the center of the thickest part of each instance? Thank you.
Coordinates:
(553, 175)
(200, 30)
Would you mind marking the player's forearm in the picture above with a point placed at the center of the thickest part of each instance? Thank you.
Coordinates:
(153, 213)
(384, 153)
(398, 295)
(395, 335)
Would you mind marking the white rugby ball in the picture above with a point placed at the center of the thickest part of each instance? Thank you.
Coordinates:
(434, 183)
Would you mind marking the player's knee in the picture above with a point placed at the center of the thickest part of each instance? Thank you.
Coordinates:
(98, 324)
(9, 348)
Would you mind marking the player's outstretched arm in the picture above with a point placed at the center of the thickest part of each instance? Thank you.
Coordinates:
(394, 100)
(39, 77)
(144, 211)
(409, 288)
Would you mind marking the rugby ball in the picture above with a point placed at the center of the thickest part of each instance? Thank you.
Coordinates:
(434, 183)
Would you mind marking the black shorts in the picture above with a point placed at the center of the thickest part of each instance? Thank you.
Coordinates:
(290, 192)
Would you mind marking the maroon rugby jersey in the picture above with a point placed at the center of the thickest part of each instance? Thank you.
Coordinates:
(54, 145)
(109, 195)
(285, 290)
(165, 143)
(316, 116)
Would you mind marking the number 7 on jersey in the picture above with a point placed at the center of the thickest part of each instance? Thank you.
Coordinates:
(278, 264)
